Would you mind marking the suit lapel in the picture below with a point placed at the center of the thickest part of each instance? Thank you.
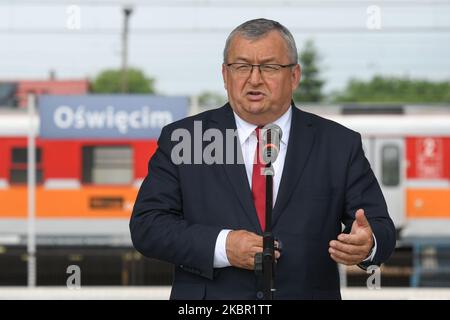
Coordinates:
(301, 140)
(236, 173)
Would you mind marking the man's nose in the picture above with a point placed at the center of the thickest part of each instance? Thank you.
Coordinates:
(255, 75)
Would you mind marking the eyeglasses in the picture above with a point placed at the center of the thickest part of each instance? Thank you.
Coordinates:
(266, 69)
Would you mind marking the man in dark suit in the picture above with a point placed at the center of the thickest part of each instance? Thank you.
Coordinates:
(206, 217)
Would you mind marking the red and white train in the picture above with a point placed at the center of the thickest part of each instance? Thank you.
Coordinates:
(410, 155)
(86, 188)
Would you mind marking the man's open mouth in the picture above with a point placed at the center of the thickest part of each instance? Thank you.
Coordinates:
(255, 95)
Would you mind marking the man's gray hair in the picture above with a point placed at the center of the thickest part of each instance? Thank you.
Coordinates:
(258, 28)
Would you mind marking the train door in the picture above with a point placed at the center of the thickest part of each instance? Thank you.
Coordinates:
(389, 167)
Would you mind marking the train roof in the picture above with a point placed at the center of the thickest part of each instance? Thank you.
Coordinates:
(396, 125)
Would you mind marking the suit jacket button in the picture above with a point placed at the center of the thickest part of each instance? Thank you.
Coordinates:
(260, 295)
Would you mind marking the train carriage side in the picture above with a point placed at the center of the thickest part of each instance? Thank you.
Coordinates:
(79, 182)
(410, 155)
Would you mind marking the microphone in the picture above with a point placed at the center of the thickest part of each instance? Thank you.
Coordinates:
(271, 138)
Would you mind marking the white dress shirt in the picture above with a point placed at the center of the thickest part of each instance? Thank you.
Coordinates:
(248, 141)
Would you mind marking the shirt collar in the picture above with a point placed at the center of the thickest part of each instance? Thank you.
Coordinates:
(245, 129)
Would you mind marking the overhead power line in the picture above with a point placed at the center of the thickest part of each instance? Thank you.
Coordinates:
(231, 3)
(159, 30)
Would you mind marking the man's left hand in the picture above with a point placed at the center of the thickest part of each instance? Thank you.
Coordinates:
(353, 248)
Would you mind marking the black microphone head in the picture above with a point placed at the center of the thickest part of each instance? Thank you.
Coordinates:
(272, 134)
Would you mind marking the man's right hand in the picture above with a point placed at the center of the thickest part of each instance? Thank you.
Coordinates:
(241, 246)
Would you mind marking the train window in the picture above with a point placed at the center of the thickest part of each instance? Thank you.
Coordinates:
(19, 176)
(18, 171)
(20, 155)
(390, 165)
(107, 164)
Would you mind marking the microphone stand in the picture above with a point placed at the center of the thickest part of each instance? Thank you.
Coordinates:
(265, 261)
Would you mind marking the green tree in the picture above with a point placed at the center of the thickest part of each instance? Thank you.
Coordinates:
(394, 90)
(109, 81)
(209, 99)
(310, 88)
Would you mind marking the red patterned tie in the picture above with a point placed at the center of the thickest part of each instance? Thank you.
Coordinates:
(259, 185)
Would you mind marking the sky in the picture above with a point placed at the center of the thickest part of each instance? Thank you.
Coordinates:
(180, 43)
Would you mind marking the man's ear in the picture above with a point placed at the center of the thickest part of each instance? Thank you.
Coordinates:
(296, 76)
(224, 75)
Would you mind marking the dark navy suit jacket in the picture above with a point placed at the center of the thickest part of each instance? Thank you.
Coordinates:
(180, 210)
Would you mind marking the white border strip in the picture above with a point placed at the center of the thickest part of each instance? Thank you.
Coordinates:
(428, 183)
(4, 184)
(137, 183)
(62, 184)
